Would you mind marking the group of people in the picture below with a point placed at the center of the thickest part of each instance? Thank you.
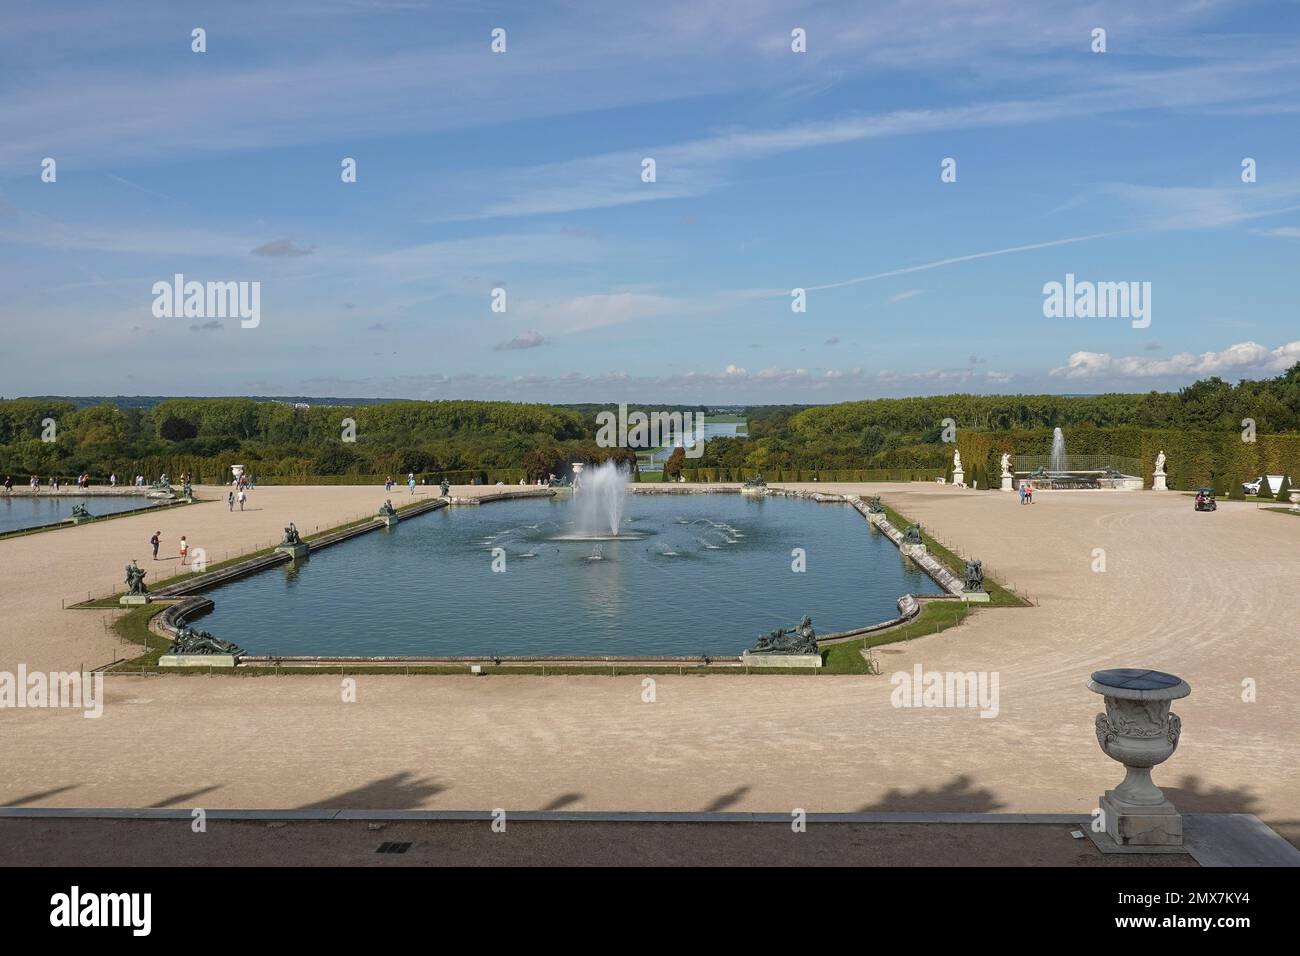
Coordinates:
(156, 541)
(82, 481)
(389, 484)
(1026, 493)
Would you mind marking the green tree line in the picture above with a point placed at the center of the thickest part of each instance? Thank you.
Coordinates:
(1199, 427)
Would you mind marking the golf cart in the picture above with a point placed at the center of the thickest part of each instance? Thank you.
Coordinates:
(1205, 500)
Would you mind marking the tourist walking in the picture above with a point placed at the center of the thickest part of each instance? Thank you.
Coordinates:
(410, 481)
(1029, 493)
(1022, 494)
(242, 497)
(185, 550)
(112, 480)
(155, 541)
(230, 500)
(9, 485)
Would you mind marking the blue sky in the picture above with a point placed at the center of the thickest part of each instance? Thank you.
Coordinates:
(522, 170)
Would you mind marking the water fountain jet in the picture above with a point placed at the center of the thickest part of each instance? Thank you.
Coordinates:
(600, 501)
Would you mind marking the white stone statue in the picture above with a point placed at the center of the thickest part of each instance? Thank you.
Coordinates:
(956, 460)
(1160, 462)
(1006, 465)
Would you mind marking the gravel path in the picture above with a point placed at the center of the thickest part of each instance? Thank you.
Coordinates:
(1211, 597)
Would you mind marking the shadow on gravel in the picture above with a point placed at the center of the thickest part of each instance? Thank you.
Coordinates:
(39, 795)
(400, 791)
(183, 797)
(956, 796)
(563, 800)
(727, 800)
(1192, 796)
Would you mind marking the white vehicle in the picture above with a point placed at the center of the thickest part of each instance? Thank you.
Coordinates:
(1274, 483)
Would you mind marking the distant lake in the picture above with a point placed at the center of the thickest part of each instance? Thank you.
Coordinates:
(24, 511)
(698, 574)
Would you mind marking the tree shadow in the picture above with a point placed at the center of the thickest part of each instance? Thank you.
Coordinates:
(397, 792)
(39, 795)
(1192, 796)
(562, 801)
(958, 795)
(183, 797)
(727, 799)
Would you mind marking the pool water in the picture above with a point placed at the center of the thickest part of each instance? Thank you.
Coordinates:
(688, 574)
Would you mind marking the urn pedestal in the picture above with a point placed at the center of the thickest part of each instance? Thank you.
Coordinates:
(959, 477)
(296, 551)
(1158, 482)
(1006, 483)
(913, 551)
(1139, 730)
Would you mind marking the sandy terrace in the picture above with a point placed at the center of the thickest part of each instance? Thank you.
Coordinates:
(1211, 597)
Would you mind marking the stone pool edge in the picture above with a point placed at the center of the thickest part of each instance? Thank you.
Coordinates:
(184, 601)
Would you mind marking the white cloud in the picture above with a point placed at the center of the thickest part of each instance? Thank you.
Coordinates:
(583, 313)
(1239, 358)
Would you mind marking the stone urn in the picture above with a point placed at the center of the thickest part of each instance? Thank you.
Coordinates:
(1140, 731)
(237, 471)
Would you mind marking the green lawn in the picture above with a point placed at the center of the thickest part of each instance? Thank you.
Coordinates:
(935, 616)
(134, 627)
(998, 595)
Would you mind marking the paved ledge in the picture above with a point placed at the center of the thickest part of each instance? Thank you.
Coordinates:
(539, 816)
(1215, 840)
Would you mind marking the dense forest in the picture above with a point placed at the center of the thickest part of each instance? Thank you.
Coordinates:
(1200, 428)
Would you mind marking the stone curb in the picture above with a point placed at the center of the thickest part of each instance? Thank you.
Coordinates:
(544, 816)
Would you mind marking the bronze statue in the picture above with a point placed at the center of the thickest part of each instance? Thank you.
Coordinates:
(758, 481)
(79, 511)
(291, 536)
(974, 576)
(444, 487)
(186, 490)
(912, 535)
(386, 510)
(875, 507)
(801, 639)
(135, 579)
(191, 641)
